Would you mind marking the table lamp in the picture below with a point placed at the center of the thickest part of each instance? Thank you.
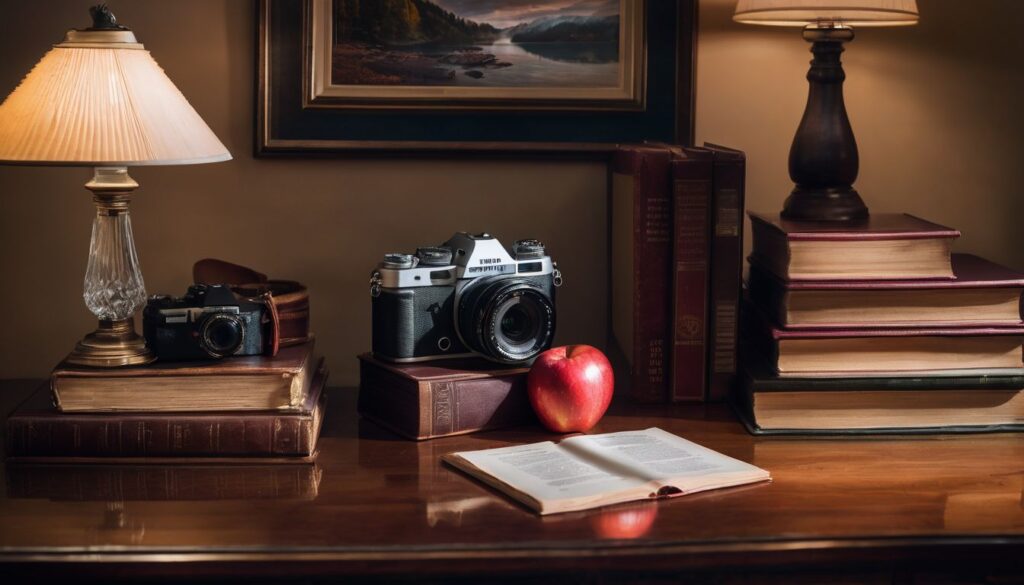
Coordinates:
(98, 99)
(823, 160)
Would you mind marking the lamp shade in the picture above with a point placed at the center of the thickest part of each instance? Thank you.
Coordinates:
(99, 99)
(848, 12)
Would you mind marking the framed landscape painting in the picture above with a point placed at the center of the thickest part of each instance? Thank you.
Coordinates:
(572, 76)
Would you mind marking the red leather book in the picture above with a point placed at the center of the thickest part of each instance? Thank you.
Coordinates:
(691, 175)
(37, 429)
(888, 246)
(728, 185)
(438, 399)
(981, 294)
(641, 257)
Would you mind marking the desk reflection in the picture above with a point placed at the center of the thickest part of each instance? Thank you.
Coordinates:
(137, 482)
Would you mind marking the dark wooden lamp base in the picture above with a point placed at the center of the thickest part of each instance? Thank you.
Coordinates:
(823, 161)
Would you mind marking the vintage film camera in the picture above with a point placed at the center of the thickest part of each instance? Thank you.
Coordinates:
(209, 322)
(467, 297)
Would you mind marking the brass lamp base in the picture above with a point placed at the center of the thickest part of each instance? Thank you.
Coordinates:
(114, 343)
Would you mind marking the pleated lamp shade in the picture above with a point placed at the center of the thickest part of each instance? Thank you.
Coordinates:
(848, 12)
(99, 99)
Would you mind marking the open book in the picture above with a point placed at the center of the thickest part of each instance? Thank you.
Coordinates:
(589, 471)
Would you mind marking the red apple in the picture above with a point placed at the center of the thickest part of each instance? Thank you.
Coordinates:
(570, 387)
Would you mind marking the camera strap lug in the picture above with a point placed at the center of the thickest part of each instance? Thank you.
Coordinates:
(556, 275)
(375, 284)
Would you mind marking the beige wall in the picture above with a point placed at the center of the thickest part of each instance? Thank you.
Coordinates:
(932, 107)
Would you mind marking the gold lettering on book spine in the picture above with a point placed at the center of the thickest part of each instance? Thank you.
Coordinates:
(443, 408)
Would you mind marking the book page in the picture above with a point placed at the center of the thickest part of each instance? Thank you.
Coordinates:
(547, 472)
(655, 455)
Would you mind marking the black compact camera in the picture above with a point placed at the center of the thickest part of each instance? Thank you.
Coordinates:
(209, 322)
(467, 297)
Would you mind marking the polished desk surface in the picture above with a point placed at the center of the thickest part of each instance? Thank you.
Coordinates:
(386, 505)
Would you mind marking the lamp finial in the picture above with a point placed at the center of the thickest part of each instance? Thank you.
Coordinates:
(104, 19)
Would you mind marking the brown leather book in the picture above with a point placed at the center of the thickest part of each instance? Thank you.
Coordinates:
(240, 383)
(888, 246)
(691, 176)
(121, 483)
(438, 399)
(922, 404)
(641, 259)
(981, 294)
(37, 430)
(729, 180)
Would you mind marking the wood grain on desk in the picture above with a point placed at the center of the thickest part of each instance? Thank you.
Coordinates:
(385, 505)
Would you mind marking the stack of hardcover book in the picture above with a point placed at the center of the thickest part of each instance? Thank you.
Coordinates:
(243, 407)
(676, 217)
(878, 327)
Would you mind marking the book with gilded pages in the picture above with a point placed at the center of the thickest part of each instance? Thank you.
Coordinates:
(590, 471)
(442, 398)
(259, 382)
(888, 246)
(981, 294)
(890, 352)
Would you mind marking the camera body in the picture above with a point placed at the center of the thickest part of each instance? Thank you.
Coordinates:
(467, 297)
(209, 322)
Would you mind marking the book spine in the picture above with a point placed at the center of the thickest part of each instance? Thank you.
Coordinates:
(692, 200)
(726, 270)
(159, 436)
(652, 261)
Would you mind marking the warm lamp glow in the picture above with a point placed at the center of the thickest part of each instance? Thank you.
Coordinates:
(847, 12)
(99, 99)
(102, 104)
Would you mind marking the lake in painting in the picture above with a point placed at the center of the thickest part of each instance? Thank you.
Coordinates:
(476, 43)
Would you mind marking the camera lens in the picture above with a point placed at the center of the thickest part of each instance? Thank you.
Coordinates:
(221, 335)
(508, 320)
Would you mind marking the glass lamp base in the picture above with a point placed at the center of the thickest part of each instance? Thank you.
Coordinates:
(114, 343)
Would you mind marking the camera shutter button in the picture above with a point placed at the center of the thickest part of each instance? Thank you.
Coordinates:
(434, 256)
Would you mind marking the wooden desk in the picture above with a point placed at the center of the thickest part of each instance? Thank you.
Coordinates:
(872, 508)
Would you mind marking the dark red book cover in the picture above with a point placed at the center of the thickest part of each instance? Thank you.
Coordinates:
(442, 398)
(691, 175)
(969, 271)
(37, 429)
(641, 263)
(879, 226)
(728, 185)
(970, 275)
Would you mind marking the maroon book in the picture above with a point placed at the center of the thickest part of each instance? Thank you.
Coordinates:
(728, 186)
(888, 246)
(981, 293)
(36, 429)
(641, 257)
(902, 351)
(691, 174)
(442, 398)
